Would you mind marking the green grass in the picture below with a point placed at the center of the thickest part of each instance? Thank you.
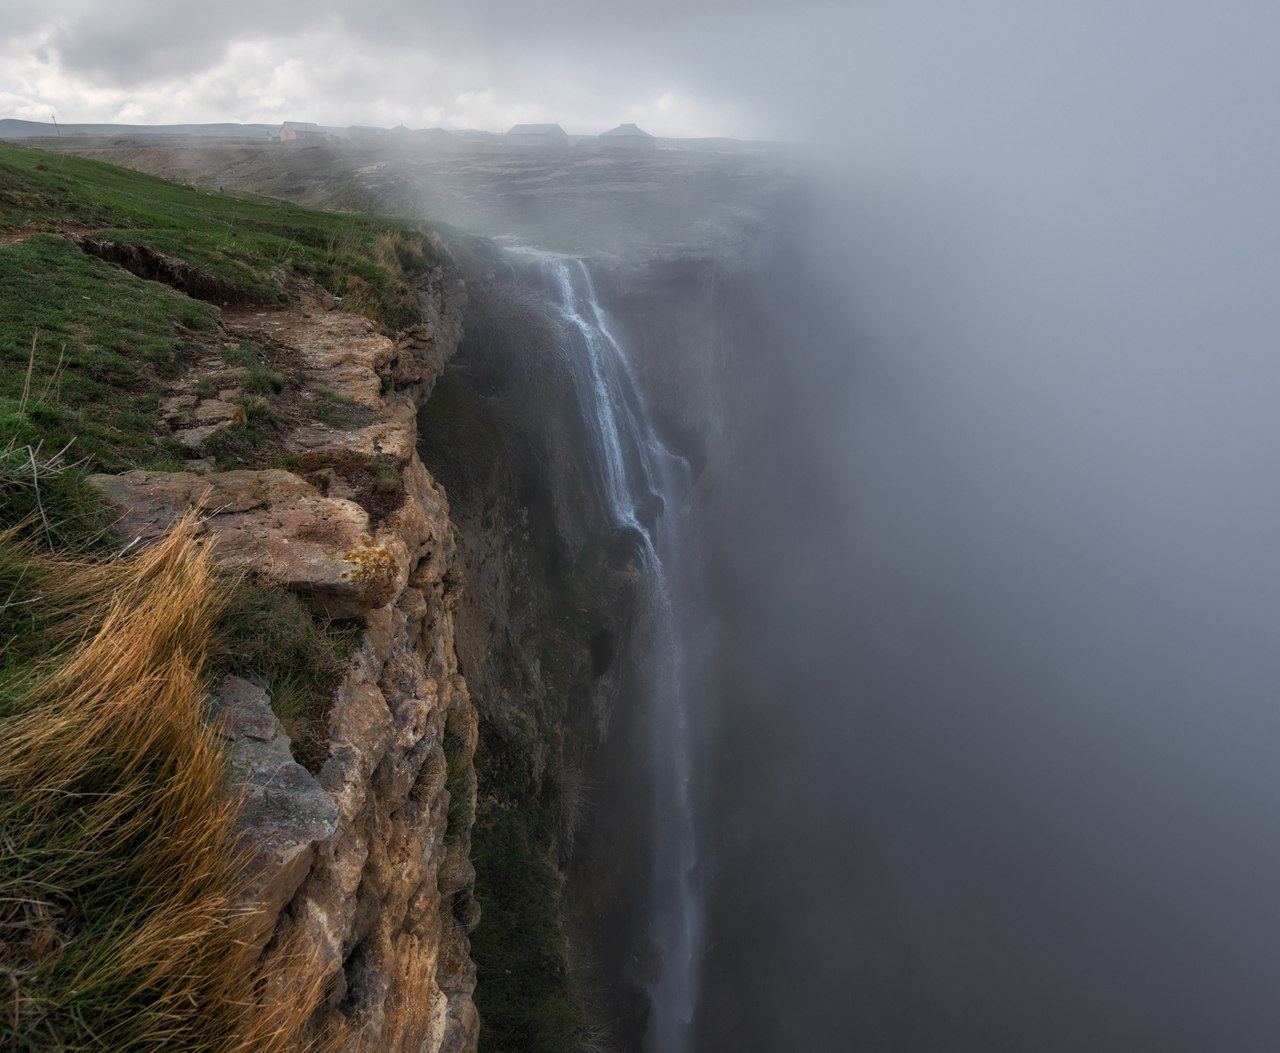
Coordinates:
(87, 349)
(35, 193)
(105, 344)
(267, 634)
(254, 246)
(338, 410)
(241, 445)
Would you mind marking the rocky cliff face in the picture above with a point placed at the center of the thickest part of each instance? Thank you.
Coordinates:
(542, 627)
(362, 864)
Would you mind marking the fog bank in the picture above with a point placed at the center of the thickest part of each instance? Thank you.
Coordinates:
(995, 734)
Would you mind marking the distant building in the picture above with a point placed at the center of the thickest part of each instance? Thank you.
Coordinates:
(538, 137)
(627, 137)
(360, 133)
(291, 131)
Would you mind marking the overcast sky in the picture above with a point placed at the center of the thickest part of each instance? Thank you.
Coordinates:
(881, 71)
(485, 63)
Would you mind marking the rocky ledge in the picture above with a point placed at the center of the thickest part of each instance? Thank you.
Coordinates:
(364, 865)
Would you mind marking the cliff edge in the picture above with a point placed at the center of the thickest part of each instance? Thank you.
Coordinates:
(360, 865)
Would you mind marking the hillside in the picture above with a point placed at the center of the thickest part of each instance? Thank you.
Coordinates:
(16, 129)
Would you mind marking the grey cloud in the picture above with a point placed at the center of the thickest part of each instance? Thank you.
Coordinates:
(126, 45)
(554, 54)
(23, 16)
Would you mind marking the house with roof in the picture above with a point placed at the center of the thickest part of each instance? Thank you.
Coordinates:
(538, 137)
(627, 137)
(292, 131)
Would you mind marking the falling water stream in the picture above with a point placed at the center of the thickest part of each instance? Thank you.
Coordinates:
(645, 489)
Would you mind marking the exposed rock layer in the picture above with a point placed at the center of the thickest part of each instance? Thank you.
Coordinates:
(364, 866)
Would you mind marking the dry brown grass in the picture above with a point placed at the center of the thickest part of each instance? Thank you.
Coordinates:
(399, 250)
(383, 289)
(119, 926)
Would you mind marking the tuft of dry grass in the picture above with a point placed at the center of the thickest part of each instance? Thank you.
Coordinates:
(375, 272)
(119, 871)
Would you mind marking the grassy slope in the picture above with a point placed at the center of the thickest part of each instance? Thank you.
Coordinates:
(86, 348)
(102, 338)
(114, 933)
(253, 245)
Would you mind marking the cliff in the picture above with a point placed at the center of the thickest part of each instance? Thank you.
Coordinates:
(404, 681)
(359, 866)
(542, 632)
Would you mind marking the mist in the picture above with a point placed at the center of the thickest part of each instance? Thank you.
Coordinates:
(992, 759)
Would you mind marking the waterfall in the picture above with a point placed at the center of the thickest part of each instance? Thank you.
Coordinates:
(645, 488)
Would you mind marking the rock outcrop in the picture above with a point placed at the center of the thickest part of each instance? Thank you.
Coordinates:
(363, 866)
(285, 814)
(274, 524)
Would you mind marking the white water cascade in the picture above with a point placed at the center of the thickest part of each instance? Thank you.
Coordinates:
(645, 488)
